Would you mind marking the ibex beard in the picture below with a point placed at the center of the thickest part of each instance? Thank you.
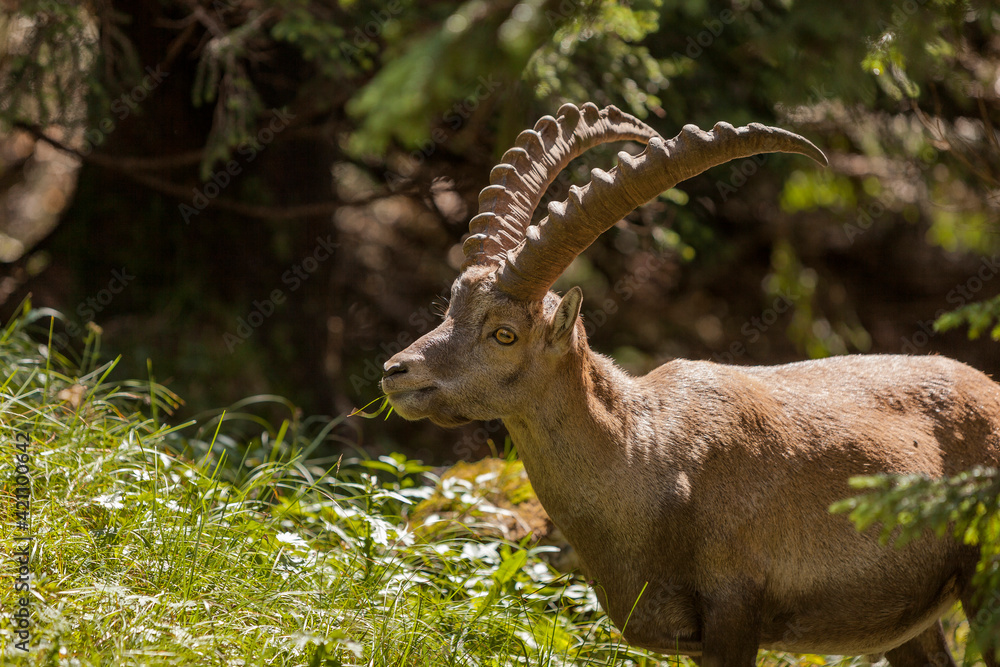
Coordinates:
(696, 496)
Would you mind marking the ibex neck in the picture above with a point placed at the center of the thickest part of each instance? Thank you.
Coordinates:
(572, 441)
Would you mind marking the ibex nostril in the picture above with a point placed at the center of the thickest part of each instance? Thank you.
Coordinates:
(393, 368)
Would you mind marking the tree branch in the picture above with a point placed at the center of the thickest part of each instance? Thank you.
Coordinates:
(132, 168)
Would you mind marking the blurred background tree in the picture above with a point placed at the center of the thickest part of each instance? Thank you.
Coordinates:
(267, 197)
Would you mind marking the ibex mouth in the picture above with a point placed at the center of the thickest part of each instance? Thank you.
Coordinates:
(410, 403)
(393, 393)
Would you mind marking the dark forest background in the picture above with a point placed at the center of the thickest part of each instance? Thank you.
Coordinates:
(260, 197)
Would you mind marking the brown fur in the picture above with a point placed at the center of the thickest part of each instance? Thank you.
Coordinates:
(710, 485)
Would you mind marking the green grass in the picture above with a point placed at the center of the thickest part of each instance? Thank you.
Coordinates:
(229, 541)
(232, 541)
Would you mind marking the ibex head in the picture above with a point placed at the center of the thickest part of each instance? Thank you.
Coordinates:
(505, 335)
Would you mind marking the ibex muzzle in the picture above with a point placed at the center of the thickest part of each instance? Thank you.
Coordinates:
(697, 496)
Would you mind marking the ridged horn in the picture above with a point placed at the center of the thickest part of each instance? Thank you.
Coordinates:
(525, 172)
(528, 271)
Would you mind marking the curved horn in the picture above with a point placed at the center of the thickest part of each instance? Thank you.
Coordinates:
(525, 171)
(529, 270)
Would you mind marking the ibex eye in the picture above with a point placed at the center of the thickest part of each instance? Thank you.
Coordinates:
(505, 336)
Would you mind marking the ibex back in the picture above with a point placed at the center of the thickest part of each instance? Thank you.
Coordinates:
(697, 496)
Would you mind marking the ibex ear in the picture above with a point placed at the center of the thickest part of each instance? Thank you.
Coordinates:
(563, 324)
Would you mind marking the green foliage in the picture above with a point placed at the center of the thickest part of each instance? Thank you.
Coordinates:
(916, 40)
(967, 506)
(221, 74)
(431, 73)
(439, 76)
(327, 44)
(809, 190)
(601, 48)
(810, 328)
(979, 316)
(958, 230)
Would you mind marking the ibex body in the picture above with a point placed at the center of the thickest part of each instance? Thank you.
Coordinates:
(697, 496)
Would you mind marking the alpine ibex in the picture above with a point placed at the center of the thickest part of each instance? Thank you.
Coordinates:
(697, 496)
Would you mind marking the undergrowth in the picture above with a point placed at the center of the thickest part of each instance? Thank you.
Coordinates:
(234, 541)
